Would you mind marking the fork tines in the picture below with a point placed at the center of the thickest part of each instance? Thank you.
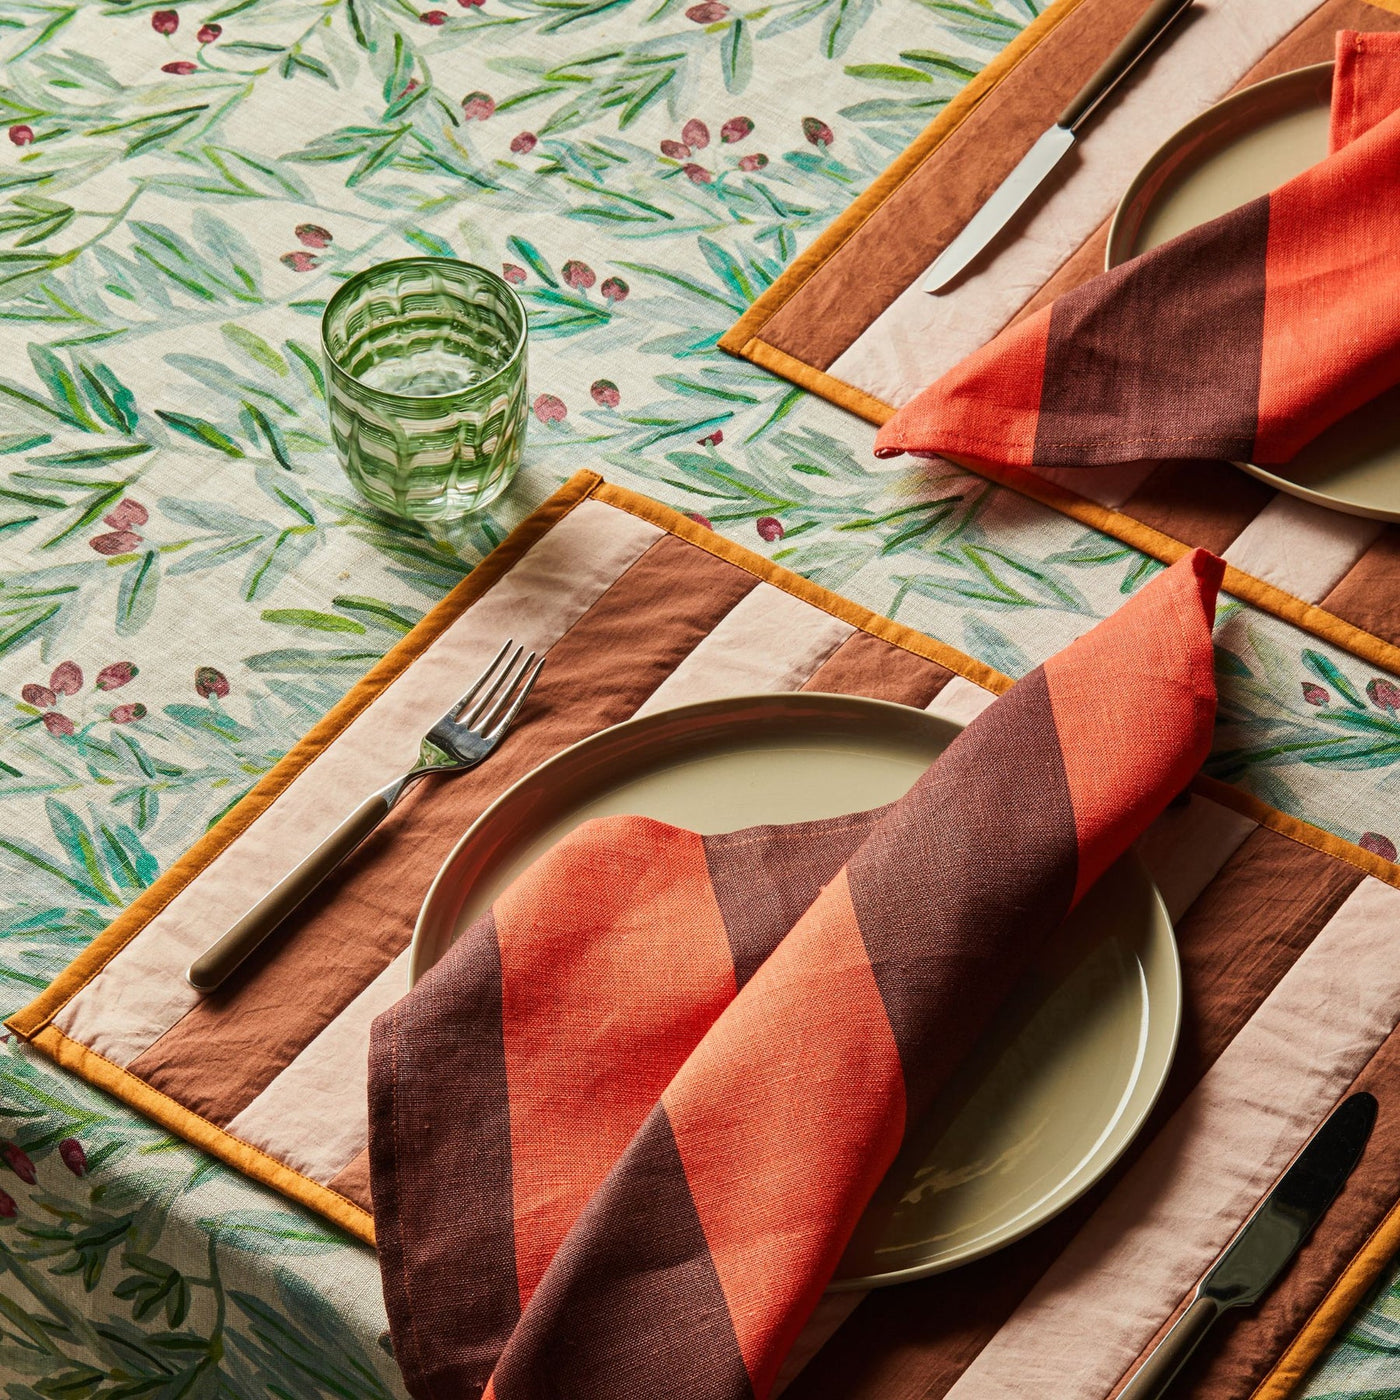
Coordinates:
(506, 687)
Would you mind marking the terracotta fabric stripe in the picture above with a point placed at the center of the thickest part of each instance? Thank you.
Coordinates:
(770, 641)
(1180, 1203)
(1241, 1353)
(824, 1120)
(918, 947)
(622, 916)
(923, 215)
(1206, 504)
(262, 1018)
(1369, 595)
(763, 882)
(1302, 548)
(871, 666)
(1206, 369)
(142, 991)
(352, 1181)
(465, 1321)
(1101, 727)
(646, 1258)
(1267, 903)
(312, 1116)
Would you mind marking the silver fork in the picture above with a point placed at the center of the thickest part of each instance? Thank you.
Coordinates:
(468, 733)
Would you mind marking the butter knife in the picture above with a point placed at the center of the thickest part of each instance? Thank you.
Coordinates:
(1042, 158)
(1266, 1242)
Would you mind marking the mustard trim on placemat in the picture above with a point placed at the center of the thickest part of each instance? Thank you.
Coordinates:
(252, 1161)
(738, 338)
(34, 1017)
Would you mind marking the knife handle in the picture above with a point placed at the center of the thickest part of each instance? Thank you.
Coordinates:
(1154, 23)
(1169, 1355)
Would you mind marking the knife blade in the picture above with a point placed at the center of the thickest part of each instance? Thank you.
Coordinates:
(1265, 1242)
(1054, 145)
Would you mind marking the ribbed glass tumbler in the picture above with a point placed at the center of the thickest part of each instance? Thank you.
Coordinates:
(425, 372)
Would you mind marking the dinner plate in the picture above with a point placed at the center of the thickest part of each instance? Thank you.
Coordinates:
(1233, 152)
(1063, 1078)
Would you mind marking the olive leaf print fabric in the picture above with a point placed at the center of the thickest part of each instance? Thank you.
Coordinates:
(187, 581)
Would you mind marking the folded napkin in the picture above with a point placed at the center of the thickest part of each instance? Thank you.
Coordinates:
(621, 1134)
(1243, 338)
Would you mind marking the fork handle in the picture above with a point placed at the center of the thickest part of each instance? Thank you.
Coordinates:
(216, 963)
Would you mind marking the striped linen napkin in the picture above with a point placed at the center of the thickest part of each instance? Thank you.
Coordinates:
(1241, 339)
(620, 1135)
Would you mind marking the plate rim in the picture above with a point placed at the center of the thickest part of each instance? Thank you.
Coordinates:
(1083, 1181)
(1119, 232)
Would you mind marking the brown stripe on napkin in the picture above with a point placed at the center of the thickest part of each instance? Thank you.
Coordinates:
(259, 1021)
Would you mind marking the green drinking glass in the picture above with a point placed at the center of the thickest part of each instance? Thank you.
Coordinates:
(425, 373)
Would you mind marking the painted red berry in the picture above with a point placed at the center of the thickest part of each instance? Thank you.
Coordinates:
(735, 129)
(298, 261)
(434, 17)
(58, 725)
(695, 134)
(19, 1163)
(209, 32)
(182, 68)
(73, 1156)
(605, 393)
(712, 439)
(549, 409)
(579, 275)
(817, 131)
(125, 514)
(22, 135)
(699, 519)
(770, 529)
(697, 174)
(40, 696)
(468, 4)
(1315, 694)
(523, 144)
(614, 289)
(708, 12)
(754, 162)
(1377, 844)
(118, 674)
(478, 106)
(124, 714)
(8, 1208)
(118, 542)
(314, 236)
(676, 150)
(165, 21)
(1384, 694)
(209, 682)
(67, 678)
(513, 273)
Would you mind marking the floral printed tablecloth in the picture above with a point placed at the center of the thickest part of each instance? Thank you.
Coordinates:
(187, 582)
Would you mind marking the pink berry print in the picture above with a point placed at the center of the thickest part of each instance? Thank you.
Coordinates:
(478, 106)
(1378, 845)
(67, 678)
(614, 290)
(40, 696)
(434, 17)
(314, 236)
(181, 68)
(817, 131)
(118, 674)
(22, 135)
(124, 714)
(8, 1208)
(735, 129)
(549, 409)
(710, 12)
(605, 393)
(676, 150)
(125, 514)
(118, 542)
(523, 144)
(298, 261)
(754, 162)
(579, 275)
(697, 174)
(699, 519)
(19, 1163)
(770, 529)
(58, 725)
(1384, 694)
(513, 273)
(210, 683)
(70, 1150)
(1315, 694)
(712, 439)
(165, 21)
(695, 134)
(207, 34)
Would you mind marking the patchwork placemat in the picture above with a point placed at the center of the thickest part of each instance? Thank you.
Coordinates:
(1287, 937)
(849, 320)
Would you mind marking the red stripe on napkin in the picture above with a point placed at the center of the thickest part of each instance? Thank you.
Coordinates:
(687, 1147)
(1243, 338)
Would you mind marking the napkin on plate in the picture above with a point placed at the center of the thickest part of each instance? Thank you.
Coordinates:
(620, 1135)
(1242, 339)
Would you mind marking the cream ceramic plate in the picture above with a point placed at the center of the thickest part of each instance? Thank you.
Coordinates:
(1065, 1077)
(1232, 153)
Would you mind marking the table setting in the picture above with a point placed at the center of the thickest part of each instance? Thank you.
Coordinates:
(790, 790)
